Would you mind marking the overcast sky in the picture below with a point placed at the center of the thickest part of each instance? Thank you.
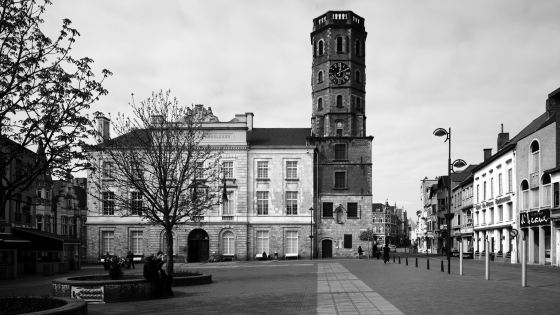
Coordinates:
(468, 65)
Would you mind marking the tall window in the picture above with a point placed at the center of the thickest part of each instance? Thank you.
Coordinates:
(484, 191)
(477, 193)
(291, 169)
(64, 225)
(347, 240)
(227, 167)
(358, 48)
(108, 203)
(39, 222)
(17, 209)
(136, 203)
(320, 77)
(547, 191)
(509, 207)
(492, 187)
(327, 209)
(339, 101)
(137, 242)
(535, 165)
(262, 169)
(291, 242)
(291, 202)
(491, 218)
(556, 195)
(47, 223)
(500, 188)
(320, 103)
(262, 242)
(358, 76)
(500, 213)
(107, 170)
(510, 180)
(321, 48)
(339, 44)
(525, 194)
(352, 210)
(340, 151)
(262, 202)
(227, 205)
(339, 179)
(483, 216)
(107, 242)
(228, 242)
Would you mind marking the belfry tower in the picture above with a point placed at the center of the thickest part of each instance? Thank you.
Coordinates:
(338, 126)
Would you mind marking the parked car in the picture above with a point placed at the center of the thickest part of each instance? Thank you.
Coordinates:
(392, 248)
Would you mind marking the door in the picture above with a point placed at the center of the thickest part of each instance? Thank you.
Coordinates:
(203, 250)
(326, 248)
(198, 246)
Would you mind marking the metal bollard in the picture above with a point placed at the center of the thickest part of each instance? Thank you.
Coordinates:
(399, 259)
(416, 262)
(442, 270)
(428, 263)
(393, 258)
(406, 259)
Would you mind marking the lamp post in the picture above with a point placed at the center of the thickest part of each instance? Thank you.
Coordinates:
(311, 233)
(440, 132)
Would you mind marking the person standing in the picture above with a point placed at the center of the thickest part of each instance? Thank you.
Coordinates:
(151, 274)
(386, 253)
(130, 258)
(164, 276)
(360, 251)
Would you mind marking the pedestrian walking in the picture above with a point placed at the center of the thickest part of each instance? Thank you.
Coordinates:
(386, 253)
(130, 259)
(151, 274)
(164, 276)
(360, 251)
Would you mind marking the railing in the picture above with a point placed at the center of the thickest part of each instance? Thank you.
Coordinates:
(227, 218)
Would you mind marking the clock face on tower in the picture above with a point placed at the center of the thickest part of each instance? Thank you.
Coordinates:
(339, 73)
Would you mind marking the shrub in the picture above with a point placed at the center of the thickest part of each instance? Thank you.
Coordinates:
(28, 304)
(115, 269)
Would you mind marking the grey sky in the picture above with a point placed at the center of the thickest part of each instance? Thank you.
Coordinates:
(468, 65)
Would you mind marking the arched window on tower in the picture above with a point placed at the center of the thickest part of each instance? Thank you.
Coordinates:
(339, 101)
(358, 76)
(321, 49)
(320, 77)
(320, 103)
(339, 44)
(358, 48)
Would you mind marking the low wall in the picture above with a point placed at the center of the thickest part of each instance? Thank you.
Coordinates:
(72, 307)
(111, 291)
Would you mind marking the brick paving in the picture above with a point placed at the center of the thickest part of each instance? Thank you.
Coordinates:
(349, 286)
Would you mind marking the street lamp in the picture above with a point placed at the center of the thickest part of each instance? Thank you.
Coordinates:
(440, 132)
(311, 232)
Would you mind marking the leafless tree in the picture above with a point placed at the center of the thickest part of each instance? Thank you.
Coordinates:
(156, 167)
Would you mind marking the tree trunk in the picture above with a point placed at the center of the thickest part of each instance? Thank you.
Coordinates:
(169, 250)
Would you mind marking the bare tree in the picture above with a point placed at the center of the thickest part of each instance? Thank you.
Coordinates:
(156, 166)
(368, 236)
(43, 95)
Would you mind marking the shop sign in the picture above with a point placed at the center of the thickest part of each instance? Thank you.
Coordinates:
(88, 293)
(466, 230)
(504, 199)
(541, 217)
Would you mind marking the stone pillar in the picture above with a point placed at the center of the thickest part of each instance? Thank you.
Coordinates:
(542, 246)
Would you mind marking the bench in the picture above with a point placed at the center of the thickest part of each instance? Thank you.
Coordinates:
(229, 257)
(286, 256)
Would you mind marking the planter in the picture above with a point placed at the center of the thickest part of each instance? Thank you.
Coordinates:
(111, 291)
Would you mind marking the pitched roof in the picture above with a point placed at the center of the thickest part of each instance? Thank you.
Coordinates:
(278, 136)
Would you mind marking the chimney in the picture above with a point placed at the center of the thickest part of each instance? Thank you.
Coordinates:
(503, 138)
(103, 127)
(552, 103)
(249, 121)
(487, 154)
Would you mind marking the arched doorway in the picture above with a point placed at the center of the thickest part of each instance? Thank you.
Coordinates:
(198, 247)
(326, 246)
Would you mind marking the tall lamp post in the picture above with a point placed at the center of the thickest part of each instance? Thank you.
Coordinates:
(311, 232)
(440, 132)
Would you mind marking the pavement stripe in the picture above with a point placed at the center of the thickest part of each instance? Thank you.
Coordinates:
(341, 292)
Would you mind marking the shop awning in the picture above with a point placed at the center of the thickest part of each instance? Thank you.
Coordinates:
(42, 241)
(9, 238)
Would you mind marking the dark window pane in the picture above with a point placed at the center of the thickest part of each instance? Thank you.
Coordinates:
(352, 210)
(327, 209)
(347, 240)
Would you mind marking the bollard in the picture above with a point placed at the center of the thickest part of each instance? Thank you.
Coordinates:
(399, 259)
(393, 258)
(428, 263)
(442, 270)
(416, 262)
(406, 259)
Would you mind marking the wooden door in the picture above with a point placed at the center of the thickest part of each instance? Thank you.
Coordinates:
(326, 249)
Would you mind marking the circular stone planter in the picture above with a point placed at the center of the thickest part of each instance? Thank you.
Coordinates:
(111, 291)
(72, 307)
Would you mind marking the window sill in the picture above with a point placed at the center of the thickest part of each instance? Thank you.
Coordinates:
(327, 217)
(263, 179)
(292, 179)
(344, 160)
(352, 218)
(340, 188)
